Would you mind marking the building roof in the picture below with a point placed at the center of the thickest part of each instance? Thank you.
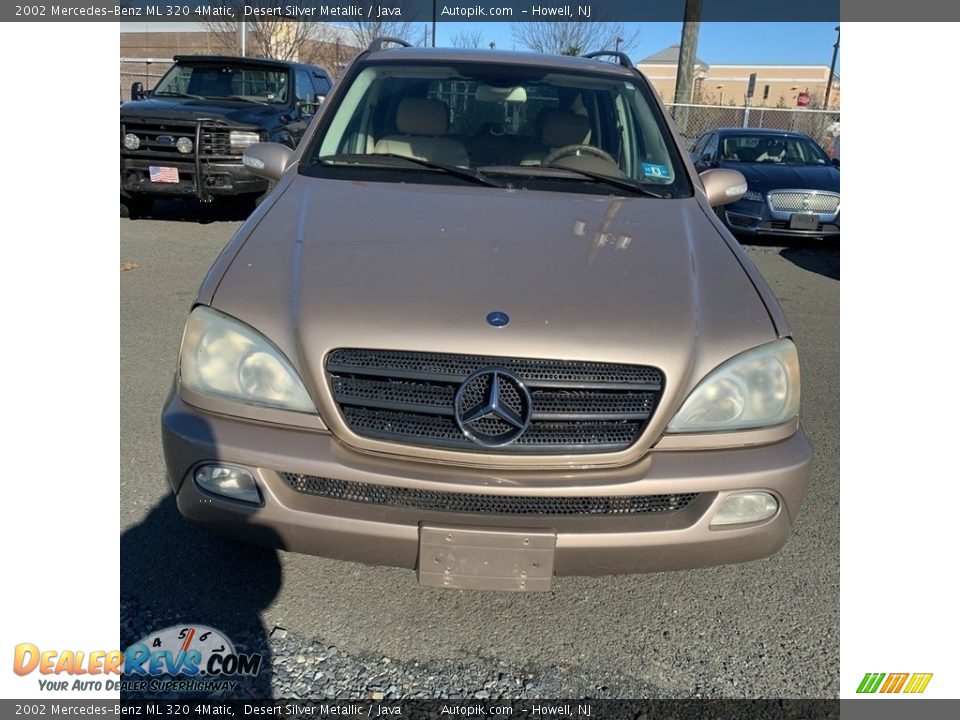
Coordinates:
(667, 56)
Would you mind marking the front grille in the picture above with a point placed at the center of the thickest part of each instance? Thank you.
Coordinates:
(576, 407)
(214, 139)
(799, 201)
(456, 502)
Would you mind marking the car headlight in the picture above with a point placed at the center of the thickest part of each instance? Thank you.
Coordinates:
(757, 388)
(753, 195)
(240, 140)
(222, 357)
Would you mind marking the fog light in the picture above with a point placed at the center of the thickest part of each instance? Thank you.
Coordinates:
(230, 482)
(745, 507)
(185, 145)
(131, 141)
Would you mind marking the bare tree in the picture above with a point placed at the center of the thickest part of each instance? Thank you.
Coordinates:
(574, 38)
(278, 37)
(464, 39)
(366, 31)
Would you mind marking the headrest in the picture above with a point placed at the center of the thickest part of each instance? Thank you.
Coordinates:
(420, 116)
(560, 128)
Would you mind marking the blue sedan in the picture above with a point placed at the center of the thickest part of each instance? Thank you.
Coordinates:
(793, 187)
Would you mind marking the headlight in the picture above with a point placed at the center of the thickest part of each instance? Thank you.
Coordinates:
(131, 141)
(223, 357)
(758, 388)
(240, 140)
(753, 195)
(185, 145)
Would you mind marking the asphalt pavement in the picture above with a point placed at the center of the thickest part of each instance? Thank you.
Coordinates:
(329, 628)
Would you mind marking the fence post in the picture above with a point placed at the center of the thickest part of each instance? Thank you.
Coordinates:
(746, 116)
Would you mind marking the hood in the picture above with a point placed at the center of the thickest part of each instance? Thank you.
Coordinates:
(229, 111)
(764, 177)
(335, 263)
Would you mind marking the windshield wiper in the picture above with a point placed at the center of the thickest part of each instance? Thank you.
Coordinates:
(180, 94)
(373, 159)
(620, 183)
(244, 99)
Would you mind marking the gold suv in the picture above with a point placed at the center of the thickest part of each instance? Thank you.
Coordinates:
(487, 326)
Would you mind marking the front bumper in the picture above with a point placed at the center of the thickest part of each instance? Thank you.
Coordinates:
(383, 535)
(201, 179)
(755, 218)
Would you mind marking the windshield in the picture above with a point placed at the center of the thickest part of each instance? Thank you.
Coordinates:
(255, 83)
(502, 120)
(782, 150)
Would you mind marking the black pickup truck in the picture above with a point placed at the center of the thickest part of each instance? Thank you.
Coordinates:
(186, 137)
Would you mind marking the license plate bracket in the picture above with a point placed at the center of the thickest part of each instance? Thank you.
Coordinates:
(804, 221)
(467, 558)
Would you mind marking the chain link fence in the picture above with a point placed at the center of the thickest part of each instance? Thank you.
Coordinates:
(694, 120)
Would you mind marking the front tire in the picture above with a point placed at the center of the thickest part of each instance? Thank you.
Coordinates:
(135, 207)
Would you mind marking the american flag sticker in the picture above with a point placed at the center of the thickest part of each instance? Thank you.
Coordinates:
(164, 174)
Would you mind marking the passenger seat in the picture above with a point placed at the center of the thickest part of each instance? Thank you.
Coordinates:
(420, 124)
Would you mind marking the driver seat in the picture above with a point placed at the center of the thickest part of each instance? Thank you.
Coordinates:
(558, 128)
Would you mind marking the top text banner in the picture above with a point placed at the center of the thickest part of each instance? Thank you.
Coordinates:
(424, 11)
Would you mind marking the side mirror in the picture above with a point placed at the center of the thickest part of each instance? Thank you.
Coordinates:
(722, 186)
(706, 158)
(136, 91)
(267, 160)
(835, 162)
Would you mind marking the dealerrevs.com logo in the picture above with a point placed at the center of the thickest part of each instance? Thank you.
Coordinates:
(181, 658)
(911, 683)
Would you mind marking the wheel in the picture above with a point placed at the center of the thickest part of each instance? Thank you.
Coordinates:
(135, 206)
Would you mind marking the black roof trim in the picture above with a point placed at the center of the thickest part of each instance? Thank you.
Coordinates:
(621, 57)
(378, 43)
(247, 60)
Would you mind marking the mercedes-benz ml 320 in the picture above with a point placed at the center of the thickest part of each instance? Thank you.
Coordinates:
(487, 326)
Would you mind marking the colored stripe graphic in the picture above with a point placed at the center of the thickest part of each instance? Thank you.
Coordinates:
(894, 682)
(870, 682)
(918, 682)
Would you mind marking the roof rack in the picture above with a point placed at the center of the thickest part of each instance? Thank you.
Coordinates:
(378, 43)
(622, 57)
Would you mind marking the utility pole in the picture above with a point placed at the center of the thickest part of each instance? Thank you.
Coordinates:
(833, 65)
(687, 62)
(434, 24)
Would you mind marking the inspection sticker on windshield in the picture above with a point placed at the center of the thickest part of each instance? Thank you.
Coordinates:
(653, 170)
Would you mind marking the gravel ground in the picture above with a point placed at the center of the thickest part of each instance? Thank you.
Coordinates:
(335, 629)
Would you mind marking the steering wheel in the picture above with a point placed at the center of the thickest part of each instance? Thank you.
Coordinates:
(569, 150)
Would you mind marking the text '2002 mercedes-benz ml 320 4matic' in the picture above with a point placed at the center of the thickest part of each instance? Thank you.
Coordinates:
(488, 327)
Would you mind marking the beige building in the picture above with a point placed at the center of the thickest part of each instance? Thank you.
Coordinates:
(776, 85)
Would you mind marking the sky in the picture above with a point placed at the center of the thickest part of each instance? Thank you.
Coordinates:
(719, 43)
